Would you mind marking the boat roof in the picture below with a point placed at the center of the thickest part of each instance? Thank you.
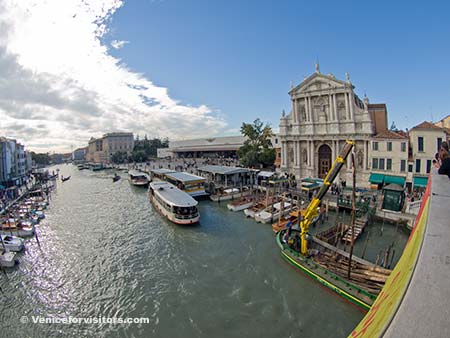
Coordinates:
(136, 173)
(223, 170)
(185, 177)
(162, 171)
(172, 195)
(266, 174)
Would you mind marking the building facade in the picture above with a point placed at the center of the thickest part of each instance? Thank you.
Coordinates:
(101, 150)
(325, 112)
(203, 147)
(79, 154)
(388, 158)
(117, 142)
(425, 139)
(13, 166)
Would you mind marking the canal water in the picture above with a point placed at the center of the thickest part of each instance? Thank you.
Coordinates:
(104, 252)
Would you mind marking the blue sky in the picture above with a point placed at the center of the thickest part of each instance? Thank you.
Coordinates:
(76, 69)
(239, 56)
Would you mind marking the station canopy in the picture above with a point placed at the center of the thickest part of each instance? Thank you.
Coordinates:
(394, 179)
(266, 174)
(376, 178)
(420, 181)
(222, 170)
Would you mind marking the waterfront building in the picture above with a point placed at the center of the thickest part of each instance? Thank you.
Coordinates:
(13, 167)
(425, 140)
(388, 158)
(113, 143)
(444, 122)
(79, 154)
(28, 162)
(325, 111)
(101, 150)
(203, 147)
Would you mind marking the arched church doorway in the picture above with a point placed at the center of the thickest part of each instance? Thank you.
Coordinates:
(324, 160)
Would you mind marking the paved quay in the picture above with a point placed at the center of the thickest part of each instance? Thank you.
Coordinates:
(425, 309)
(415, 300)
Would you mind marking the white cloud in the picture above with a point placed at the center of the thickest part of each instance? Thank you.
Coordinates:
(117, 44)
(59, 85)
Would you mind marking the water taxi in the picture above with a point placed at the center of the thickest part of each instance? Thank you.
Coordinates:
(176, 205)
(138, 178)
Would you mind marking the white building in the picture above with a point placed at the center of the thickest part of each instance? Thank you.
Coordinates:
(388, 158)
(425, 140)
(325, 112)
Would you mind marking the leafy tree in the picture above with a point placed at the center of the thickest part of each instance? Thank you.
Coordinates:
(40, 158)
(257, 149)
(119, 157)
(147, 148)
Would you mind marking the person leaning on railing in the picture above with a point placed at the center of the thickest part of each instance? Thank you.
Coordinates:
(444, 157)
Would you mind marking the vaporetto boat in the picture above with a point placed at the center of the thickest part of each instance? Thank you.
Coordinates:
(138, 178)
(176, 205)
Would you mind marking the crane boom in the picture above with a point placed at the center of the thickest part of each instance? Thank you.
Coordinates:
(311, 211)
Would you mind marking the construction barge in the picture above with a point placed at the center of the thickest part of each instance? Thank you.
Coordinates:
(355, 279)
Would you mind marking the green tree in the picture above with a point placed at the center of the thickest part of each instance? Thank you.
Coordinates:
(40, 158)
(119, 157)
(257, 149)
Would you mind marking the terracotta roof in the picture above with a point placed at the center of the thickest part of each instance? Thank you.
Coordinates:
(426, 125)
(391, 134)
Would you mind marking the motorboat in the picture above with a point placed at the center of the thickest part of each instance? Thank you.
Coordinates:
(138, 178)
(12, 243)
(173, 203)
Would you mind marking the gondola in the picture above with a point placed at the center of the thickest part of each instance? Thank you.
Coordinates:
(63, 179)
(116, 178)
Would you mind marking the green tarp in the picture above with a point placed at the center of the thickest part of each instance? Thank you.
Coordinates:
(395, 179)
(420, 181)
(376, 178)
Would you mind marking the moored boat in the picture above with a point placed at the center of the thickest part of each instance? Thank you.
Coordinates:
(176, 205)
(241, 204)
(272, 212)
(12, 243)
(7, 259)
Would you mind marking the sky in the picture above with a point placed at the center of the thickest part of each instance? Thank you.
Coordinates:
(73, 69)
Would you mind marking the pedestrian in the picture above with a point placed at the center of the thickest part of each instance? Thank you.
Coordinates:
(444, 168)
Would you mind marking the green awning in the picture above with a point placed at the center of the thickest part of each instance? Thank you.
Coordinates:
(376, 178)
(395, 179)
(420, 181)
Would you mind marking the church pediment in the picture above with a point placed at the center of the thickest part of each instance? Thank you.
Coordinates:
(317, 82)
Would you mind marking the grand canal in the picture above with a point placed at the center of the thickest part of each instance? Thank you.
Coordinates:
(104, 252)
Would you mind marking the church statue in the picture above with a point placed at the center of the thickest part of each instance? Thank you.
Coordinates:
(305, 156)
(360, 158)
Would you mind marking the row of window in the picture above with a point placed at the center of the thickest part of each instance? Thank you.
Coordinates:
(420, 143)
(386, 164)
(375, 146)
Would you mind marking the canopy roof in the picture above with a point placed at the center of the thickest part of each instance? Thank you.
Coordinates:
(222, 170)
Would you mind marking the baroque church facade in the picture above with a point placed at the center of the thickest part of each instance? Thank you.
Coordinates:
(324, 113)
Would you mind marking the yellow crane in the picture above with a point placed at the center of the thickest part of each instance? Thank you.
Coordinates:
(308, 214)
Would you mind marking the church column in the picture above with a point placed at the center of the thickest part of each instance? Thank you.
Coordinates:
(294, 110)
(366, 154)
(335, 107)
(350, 99)
(309, 109)
(283, 153)
(347, 108)
(312, 155)
(330, 110)
(295, 154)
(333, 150)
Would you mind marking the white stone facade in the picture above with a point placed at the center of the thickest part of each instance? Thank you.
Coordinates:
(325, 112)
